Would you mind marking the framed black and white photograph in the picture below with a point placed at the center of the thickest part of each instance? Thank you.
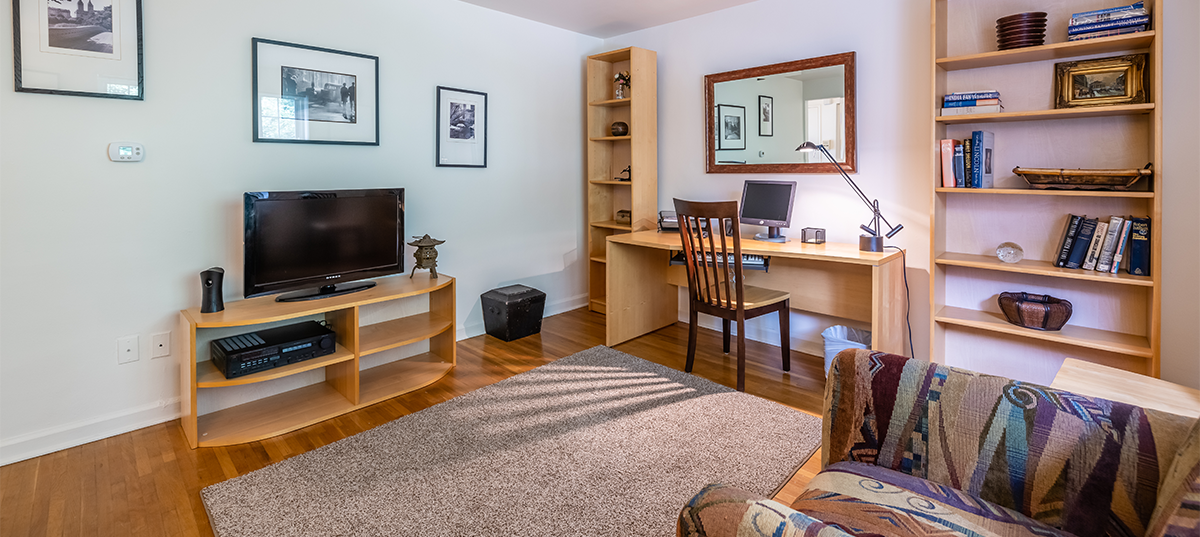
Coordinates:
(461, 128)
(87, 48)
(313, 95)
(766, 115)
(732, 132)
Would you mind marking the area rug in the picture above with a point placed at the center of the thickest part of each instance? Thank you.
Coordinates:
(599, 443)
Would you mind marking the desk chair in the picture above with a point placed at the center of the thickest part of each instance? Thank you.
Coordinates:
(715, 285)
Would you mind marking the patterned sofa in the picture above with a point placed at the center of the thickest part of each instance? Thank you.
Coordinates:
(912, 448)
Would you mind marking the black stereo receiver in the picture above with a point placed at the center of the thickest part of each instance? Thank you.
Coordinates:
(265, 349)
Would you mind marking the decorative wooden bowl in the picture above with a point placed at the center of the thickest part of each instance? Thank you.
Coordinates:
(1042, 178)
(1039, 312)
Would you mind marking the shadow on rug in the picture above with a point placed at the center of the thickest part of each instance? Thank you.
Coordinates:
(599, 443)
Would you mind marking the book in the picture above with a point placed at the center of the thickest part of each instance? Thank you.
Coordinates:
(1108, 25)
(1068, 238)
(1109, 33)
(948, 162)
(975, 102)
(967, 162)
(1083, 238)
(964, 110)
(983, 144)
(1104, 263)
(1139, 247)
(1101, 15)
(959, 177)
(1093, 251)
(971, 95)
(1119, 255)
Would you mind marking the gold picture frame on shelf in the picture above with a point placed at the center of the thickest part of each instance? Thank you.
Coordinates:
(1100, 82)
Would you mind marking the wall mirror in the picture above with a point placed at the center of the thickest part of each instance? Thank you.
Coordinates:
(757, 117)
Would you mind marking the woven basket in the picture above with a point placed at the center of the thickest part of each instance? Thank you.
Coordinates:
(1039, 312)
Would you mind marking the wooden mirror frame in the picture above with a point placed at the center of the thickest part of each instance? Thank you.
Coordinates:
(845, 59)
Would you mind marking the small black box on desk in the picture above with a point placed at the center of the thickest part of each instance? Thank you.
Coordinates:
(513, 312)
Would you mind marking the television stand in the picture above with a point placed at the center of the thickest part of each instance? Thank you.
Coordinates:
(325, 291)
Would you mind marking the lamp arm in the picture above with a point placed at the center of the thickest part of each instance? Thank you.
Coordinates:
(850, 181)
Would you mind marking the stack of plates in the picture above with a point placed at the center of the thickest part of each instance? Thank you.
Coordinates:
(1021, 30)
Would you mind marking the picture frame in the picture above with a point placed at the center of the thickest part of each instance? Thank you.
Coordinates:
(731, 136)
(70, 50)
(766, 115)
(1101, 82)
(302, 94)
(461, 138)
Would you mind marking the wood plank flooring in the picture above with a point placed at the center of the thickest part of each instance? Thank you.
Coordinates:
(148, 482)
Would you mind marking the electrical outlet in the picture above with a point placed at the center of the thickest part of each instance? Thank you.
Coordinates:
(127, 349)
(160, 345)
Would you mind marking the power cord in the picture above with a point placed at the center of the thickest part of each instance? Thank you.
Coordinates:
(907, 300)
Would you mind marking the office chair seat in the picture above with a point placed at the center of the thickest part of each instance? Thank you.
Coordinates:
(757, 297)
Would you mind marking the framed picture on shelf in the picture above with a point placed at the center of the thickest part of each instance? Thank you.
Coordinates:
(311, 95)
(766, 115)
(461, 128)
(732, 132)
(73, 48)
(1100, 82)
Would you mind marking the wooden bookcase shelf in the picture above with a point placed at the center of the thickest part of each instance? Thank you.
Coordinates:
(608, 156)
(345, 387)
(1121, 312)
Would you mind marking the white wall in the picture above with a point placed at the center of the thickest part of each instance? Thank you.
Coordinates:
(891, 39)
(94, 250)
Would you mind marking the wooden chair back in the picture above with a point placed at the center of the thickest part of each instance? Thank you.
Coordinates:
(714, 275)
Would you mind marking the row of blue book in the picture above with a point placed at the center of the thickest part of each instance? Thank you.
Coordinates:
(1108, 22)
(967, 163)
(971, 102)
(1106, 245)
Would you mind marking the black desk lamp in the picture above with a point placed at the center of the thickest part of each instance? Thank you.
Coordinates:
(866, 243)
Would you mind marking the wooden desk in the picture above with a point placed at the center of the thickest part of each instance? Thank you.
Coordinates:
(832, 279)
(1095, 380)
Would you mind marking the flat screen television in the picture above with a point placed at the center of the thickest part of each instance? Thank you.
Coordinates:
(318, 242)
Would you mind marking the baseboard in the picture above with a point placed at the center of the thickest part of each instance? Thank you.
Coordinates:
(552, 308)
(38, 443)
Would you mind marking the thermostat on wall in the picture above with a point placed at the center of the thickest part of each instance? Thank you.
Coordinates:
(126, 152)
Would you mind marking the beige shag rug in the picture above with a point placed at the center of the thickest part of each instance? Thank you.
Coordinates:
(599, 443)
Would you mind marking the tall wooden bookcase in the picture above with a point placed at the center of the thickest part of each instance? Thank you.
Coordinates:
(608, 155)
(1116, 317)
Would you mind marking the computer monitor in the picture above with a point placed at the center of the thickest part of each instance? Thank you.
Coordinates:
(768, 203)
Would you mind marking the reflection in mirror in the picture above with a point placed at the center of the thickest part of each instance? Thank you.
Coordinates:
(759, 116)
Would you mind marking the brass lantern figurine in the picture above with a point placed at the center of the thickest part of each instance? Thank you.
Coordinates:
(426, 255)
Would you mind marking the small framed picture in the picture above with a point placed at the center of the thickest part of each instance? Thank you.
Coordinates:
(1100, 82)
(461, 128)
(766, 115)
(91, 49)
(311, 95)
(732, 134)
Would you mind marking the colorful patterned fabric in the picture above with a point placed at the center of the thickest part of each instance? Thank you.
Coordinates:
(1178, 512)
(867, 500)
(722, 510)
(1088, 466)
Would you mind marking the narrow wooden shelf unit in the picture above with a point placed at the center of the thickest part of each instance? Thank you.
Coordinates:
(612, 183)
(1039, 268)
(1053, 51)
(610, 103)
(612, 224)
(599, 259)
(1048, 192)
(1060, 113)
(610, 138)
(1077, 336)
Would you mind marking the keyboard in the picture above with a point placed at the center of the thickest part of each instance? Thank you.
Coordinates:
(749, 261)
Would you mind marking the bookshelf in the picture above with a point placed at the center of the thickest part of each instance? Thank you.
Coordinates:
(1116, 319)
(608, 155)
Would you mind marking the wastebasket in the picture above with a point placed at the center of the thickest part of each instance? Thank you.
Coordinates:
(513, 312)
(839, 338)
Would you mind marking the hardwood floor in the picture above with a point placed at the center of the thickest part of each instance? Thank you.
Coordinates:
(148, 482)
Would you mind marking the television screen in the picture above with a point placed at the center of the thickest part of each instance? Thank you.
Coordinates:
(296, 240)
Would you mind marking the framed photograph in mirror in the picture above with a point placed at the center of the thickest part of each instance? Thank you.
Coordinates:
(461, 128)
(91, 49)
(766, 115)
(732, 132)
(312, 95)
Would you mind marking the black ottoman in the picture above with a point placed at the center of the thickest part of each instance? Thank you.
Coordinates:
(513, 312)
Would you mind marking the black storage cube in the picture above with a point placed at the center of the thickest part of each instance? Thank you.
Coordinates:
(513, 312)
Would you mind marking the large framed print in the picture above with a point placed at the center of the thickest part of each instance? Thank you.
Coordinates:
(732, 132)
(461, 128)
(311, 95)
(87, 49)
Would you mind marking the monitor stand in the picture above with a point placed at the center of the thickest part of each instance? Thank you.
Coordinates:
(326, 291)
(772, 235)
